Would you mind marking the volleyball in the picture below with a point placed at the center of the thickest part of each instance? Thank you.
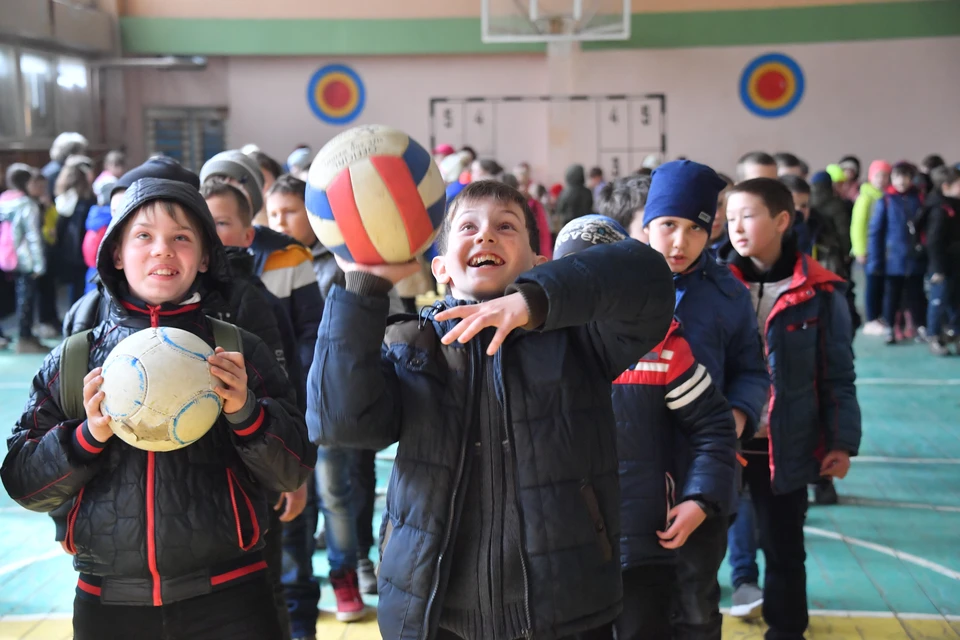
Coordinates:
(158, 389)
(375, 196)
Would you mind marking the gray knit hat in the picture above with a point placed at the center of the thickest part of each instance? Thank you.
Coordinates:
(242, 168)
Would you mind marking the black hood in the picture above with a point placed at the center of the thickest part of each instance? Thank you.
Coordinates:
(217, 276)
(241, 261)
(781, 270)
(576, 176)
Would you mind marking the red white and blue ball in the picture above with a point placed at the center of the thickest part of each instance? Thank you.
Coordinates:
(375, 196)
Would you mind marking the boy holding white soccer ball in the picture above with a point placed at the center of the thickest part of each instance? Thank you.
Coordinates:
(167, 544)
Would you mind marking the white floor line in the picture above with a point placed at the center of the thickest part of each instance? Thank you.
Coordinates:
(26, 562)
(837, 613)
(892, 460)
(910, 382)
(885, 504)
(35, 617)
(890, 551)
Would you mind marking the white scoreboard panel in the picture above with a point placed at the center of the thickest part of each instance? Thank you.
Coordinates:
(615, 132)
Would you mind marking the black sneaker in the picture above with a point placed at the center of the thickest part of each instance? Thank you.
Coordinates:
(824, 493)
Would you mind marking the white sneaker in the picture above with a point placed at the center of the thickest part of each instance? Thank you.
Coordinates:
(874, 328)
(747, 601)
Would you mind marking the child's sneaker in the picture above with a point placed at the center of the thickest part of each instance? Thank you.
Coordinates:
(897, 335)
(747, 601)
(47, 331)
(30, 345)
(892, 336)
(350, 607)
(874, 328)
(922, 335)
(937, 348)
(367, 577)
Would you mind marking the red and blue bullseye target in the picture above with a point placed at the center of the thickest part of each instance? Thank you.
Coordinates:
(771, 85)
(335, 94)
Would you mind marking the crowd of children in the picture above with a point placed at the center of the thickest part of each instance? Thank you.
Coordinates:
(624, 380)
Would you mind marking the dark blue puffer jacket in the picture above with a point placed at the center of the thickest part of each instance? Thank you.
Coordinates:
(668, 392)
(607, 306)
(813, 406)
(889, 242)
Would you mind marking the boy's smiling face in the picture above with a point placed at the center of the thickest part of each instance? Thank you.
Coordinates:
(160, 253)
(487, 247)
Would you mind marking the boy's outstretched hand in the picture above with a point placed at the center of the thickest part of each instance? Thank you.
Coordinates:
(686, 517)
(506, 314)
(836, 464)
(228, 367)
(98, 423)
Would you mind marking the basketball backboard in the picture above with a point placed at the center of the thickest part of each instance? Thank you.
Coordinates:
(554, 20)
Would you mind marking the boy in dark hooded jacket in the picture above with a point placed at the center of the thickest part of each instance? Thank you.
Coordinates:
(155, 561)
(576, 199)
(502, 517)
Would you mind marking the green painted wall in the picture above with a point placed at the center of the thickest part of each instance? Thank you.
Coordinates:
(217, 36)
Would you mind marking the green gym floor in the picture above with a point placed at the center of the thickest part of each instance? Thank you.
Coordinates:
(884, 564)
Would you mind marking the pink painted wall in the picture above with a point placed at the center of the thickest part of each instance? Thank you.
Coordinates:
(156, 88)
(904, 108)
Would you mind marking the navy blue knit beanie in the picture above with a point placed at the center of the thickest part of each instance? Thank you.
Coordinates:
(684, 189)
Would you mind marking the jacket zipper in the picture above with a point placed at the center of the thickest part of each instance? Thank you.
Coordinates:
(498, 364)
(451, 514)
(151, 488)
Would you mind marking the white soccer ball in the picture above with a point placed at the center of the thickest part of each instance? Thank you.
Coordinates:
(158, 389)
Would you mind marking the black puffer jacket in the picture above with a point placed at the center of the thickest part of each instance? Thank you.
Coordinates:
(606, 307)
(154, 528)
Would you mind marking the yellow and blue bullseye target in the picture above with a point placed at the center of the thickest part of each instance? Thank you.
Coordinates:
(336, 94)
(771, 85)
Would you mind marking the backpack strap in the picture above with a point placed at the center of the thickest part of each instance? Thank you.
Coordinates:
(226, 335)
(74, 361)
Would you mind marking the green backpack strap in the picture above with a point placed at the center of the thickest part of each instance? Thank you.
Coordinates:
(74, 366)
(226, 335)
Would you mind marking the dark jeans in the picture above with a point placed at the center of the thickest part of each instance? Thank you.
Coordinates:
(76, 280)
(647, 596)
(244, 612)
(301, 588)
(780, 522)
(907, 290)
(742, 542)
(26, 298)
(273, 554)
(364, 494)
(47, 292)
(696, 602)
(942, 312)
(874, 297)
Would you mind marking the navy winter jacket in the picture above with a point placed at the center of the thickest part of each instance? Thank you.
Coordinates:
(890, 245)
(721, 327)
(607, 306)
(813, 404)
(668, 392)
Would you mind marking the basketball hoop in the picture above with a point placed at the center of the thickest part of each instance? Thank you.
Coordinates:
(554, 20)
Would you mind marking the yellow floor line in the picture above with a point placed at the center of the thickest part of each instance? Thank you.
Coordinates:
(821, 628)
